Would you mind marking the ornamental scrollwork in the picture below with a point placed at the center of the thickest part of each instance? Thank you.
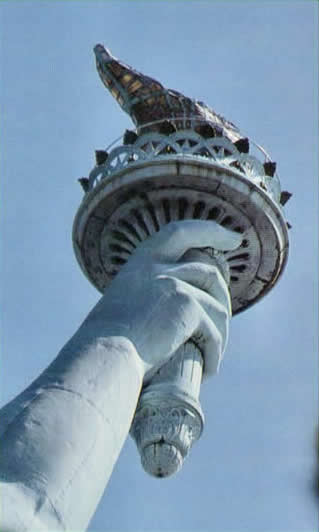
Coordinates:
(173, 423)
(186, 143)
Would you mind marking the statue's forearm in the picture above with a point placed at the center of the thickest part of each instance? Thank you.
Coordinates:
(68, 434)
(64, 433)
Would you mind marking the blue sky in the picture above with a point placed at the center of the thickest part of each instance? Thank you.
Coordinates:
(255, 63)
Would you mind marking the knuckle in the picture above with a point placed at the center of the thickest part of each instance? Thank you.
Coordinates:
(211, 276)
(176, 289)
(184, 298)
(173, 285)
(220, 318)
(169, 283)
(224, 314)
(205, 269)
(215, 274)
(219, 342)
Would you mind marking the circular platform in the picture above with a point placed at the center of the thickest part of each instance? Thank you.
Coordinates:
(128, 206)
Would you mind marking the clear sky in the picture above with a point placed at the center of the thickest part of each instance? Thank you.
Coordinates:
(256, 63)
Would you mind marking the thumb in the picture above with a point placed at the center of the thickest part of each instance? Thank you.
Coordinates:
(175, 238)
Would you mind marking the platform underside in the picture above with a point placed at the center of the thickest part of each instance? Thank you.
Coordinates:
(131, 205)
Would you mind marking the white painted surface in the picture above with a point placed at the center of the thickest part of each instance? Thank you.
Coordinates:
(168, 418)
(62, 436)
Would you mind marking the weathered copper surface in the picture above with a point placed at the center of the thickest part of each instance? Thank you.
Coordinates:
(146, 100)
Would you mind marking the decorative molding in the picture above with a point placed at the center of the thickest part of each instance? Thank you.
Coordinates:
(186, 144)
(164, 429)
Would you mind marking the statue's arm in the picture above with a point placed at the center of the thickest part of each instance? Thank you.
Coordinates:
(66, 430)
(66, 440)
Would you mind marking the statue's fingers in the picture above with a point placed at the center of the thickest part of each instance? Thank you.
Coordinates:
(215, 311)
(209, 340)
(175, 238)
(206, 277)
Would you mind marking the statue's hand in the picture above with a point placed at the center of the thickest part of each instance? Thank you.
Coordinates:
(159, 302)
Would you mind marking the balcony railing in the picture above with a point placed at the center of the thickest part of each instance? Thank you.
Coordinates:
(188, 144)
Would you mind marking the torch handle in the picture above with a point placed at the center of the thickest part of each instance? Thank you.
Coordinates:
(184, 370)
(168, 417)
